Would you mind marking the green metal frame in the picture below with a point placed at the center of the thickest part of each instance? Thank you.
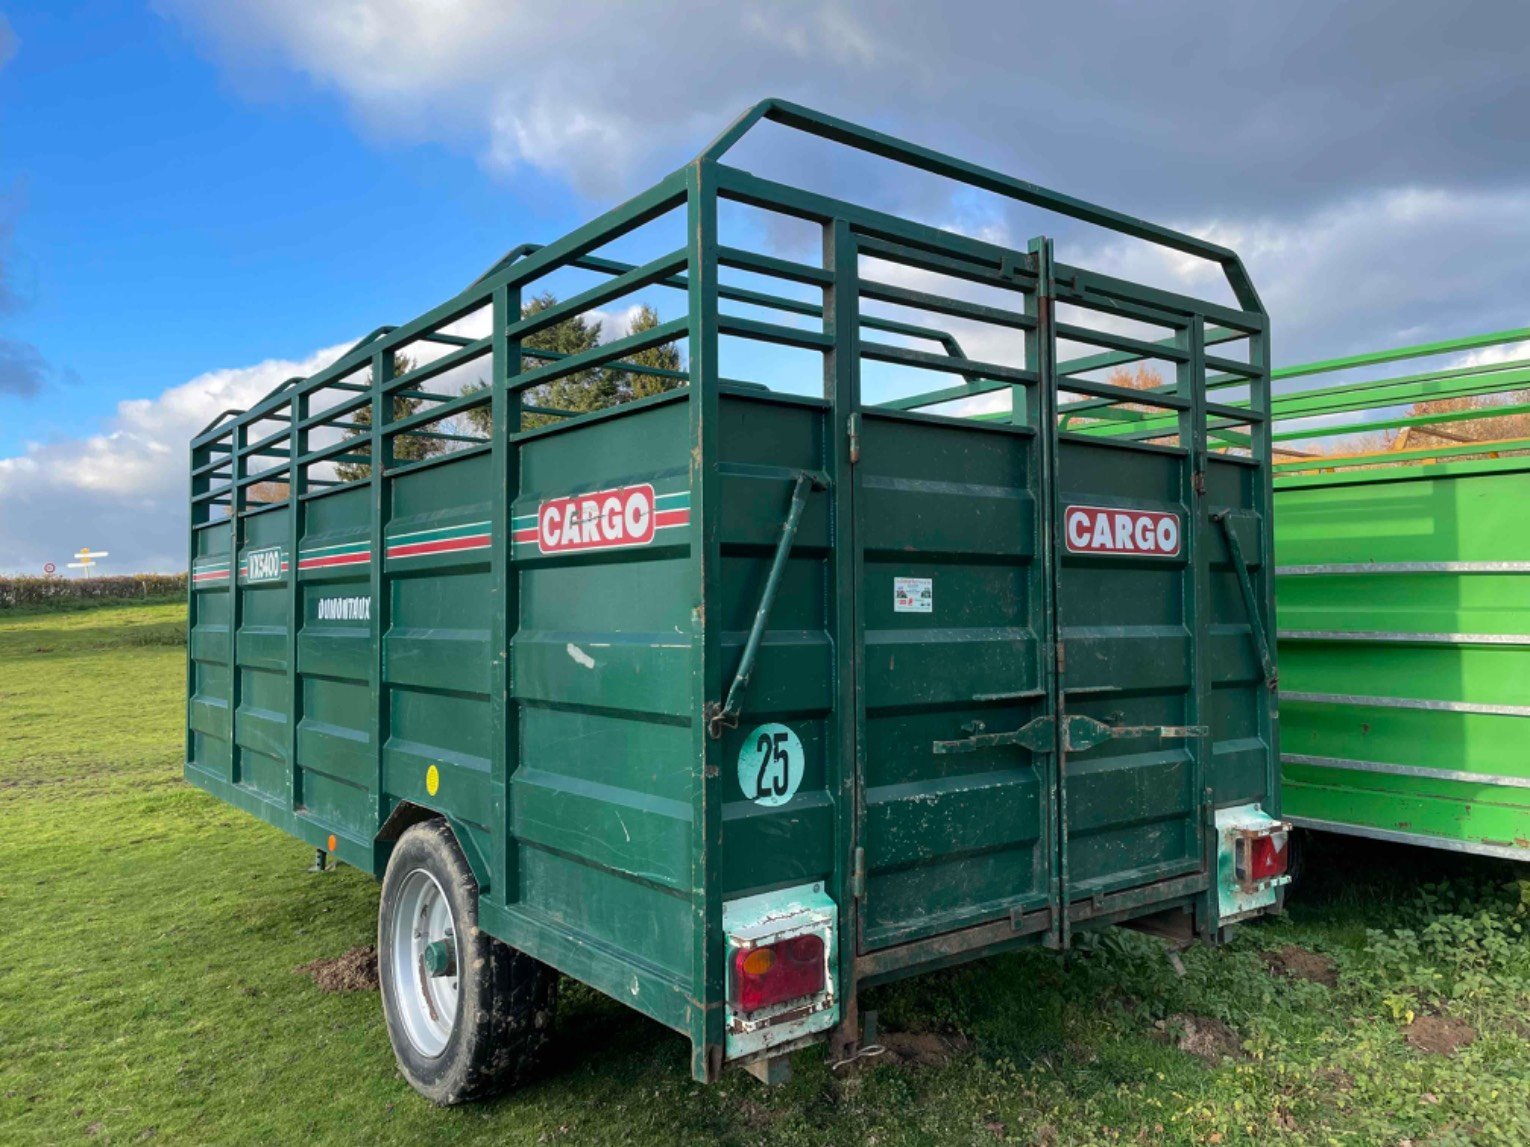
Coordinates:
(227, 463)
(1404, 621)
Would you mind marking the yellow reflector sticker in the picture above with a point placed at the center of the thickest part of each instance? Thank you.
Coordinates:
(432, 780)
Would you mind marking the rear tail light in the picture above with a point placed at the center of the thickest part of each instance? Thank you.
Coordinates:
(775, 973)
(1262, 856)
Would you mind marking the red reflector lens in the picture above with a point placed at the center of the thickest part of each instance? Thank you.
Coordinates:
(1267, 856)
(795, 969)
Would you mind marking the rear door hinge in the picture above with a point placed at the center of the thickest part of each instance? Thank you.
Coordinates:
(858, 875)
(1062, 658)
(854, 428)
(1198, 480)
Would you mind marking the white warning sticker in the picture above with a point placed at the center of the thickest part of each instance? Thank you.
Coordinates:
(913, 595)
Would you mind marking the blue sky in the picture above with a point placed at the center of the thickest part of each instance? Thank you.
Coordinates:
(201, 197)
(164, 223)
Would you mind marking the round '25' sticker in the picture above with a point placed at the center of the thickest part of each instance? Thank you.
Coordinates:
(770, 765)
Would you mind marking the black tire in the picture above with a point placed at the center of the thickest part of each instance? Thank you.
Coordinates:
(505, 999)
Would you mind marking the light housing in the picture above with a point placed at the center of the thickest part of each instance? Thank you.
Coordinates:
(1261, 856)
(775, 973)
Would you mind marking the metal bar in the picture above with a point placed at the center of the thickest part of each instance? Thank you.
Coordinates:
(1464, 383)
(882, 352)
(1232, 366)
(1423, 771)
(743, 260)
(772, 333)
(940, 304)
(1403, 568)
(1501, 851)
(708, 975)
(602, 354)
(920, 402)
(1435, 470)
(1075, 333)
(1383, 458)
(1098, 291)
(642, 208)
(1250, 603)
(1196, 599)
(982, 264)
(778, 302)
(1041, 357)
(840, 377)
(1419, 350)
(1478, 415)
(504, 715)
(629, 280)
(1090, 363)
(728, 715)
(379, 502)
(1404, 637)
(1408, 703)
(843, 132)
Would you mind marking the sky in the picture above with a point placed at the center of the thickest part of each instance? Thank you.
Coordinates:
(199, 199)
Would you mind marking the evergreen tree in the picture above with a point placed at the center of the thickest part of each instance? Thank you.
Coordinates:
(665, 356)
(584, 390)
(406, 447)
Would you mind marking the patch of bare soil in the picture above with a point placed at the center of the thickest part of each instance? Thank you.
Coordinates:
(1203, 1037)
(1300, 964)
(1439, 1034)
(356, 971)
(922, 1049)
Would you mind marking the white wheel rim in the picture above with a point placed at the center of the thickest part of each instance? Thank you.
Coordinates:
(427, 1004)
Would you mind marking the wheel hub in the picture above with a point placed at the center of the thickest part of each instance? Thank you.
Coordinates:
(423, 963)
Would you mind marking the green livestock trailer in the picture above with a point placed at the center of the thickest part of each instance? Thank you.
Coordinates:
(1404, 602)
(767, 672)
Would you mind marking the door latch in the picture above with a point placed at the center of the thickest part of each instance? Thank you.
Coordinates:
(1080, 733)
(1038, 736)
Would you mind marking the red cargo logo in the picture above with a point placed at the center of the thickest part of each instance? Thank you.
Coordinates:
(1101, 530)
(603, 520)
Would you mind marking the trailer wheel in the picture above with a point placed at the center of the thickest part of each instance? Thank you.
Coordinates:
(466, 1013)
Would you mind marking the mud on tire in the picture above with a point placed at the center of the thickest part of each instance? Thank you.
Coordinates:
(504, 1000)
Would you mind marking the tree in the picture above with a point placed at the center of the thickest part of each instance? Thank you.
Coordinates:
(406, 447)
(584, 390)
(665, 356)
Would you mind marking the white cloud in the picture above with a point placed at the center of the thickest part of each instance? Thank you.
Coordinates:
(1396, 266)
(606, 96)
(124, 489)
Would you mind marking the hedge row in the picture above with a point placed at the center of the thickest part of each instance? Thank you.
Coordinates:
(42, 590)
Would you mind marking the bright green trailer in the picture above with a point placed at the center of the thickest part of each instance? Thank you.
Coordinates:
(1404, 597)
(790, 678)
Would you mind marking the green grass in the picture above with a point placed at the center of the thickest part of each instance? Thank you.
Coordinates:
(147, 990)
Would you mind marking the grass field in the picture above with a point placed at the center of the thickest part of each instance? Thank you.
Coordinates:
(147, 988)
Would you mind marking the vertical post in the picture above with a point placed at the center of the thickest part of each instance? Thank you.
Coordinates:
(707, 1015)
(194, 540)
(1041, 357)
(297, 409)
(841, 320)
(504, 715)
(377, 493)
(1261, 402)
(1195, 588)
(235, 597)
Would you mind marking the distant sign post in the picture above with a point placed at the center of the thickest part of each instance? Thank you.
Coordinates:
(49, 568)
(87, 560)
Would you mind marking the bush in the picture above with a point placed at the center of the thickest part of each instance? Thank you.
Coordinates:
(22, 591)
